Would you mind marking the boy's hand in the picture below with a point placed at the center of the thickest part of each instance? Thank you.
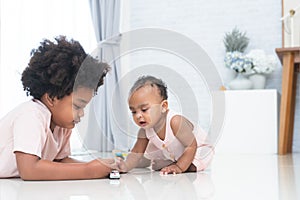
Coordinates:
(108, 162)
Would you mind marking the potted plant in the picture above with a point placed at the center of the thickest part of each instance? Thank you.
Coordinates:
(235, 43)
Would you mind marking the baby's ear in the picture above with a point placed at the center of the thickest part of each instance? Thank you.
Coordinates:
(165, 105)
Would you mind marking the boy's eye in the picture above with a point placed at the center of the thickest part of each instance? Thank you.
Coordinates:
(133, 112)
(76, 107)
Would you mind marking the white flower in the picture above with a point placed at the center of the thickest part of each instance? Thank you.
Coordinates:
(238, 62)
(262, 63)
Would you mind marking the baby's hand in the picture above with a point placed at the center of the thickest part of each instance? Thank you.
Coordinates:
(121, 165)
(171, 169)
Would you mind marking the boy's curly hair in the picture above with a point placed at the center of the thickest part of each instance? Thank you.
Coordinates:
(59, 67)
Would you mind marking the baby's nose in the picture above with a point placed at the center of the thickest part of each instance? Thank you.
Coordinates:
(139, 115)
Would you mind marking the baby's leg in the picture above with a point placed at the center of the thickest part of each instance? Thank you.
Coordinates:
(159, 164)
(192, 168)
(144, 162)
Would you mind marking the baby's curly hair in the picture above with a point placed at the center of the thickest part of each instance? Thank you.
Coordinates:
(59, 67)
(152, 81)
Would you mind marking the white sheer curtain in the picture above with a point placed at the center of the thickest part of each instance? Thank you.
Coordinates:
(23, 25)
(104, 133)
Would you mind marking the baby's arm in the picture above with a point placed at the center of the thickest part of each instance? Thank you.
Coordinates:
(183, 130)
(135, 155)
(32, 168)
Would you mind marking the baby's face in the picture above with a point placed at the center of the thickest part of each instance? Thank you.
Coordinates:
(146, 106)
(68, 110)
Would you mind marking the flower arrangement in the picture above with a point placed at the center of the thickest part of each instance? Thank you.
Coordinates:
(255, 62)
(235, 41)
(238, 62)
(262, 63)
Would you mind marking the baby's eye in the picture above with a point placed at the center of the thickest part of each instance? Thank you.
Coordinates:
(133, 112)
(144, 109)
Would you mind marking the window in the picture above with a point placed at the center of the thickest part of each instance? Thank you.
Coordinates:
(23, 24)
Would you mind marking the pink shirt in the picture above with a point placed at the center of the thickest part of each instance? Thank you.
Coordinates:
(171, 148)
(27, 129)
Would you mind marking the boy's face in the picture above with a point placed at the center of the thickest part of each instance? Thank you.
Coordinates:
(66, 112)
(146, 106)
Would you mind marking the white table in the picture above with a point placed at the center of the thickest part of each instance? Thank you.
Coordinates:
(251, 122)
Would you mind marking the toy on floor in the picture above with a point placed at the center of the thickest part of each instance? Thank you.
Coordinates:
(114, 174)
(120, 154)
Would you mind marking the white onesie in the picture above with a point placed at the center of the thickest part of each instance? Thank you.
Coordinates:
(171, 148)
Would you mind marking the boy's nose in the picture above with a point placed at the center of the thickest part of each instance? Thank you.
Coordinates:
(80, 113)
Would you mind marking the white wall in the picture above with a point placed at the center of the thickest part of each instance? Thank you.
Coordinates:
(206, 22)
(291, 34)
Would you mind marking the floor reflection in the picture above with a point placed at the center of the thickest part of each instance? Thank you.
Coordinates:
(258, 177)
(287, 176)
(139, 184)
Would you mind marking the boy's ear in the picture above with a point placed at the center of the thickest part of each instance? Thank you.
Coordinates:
(49, 100)
(165, 105)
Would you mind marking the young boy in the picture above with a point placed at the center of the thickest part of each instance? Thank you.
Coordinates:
(35, 136)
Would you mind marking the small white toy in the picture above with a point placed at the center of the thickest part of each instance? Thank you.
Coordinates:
(114, 174)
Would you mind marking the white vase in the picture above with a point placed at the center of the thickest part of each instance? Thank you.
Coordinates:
(240, 82)
(258, 80)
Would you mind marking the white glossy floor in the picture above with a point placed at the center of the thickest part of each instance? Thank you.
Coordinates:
(265, 177)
